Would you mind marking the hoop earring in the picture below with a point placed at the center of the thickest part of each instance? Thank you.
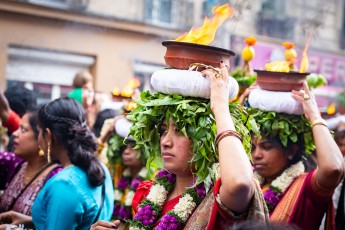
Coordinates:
(48, 154)
(40, 152)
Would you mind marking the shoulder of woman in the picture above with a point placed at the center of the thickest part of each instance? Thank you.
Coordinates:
(141, 192)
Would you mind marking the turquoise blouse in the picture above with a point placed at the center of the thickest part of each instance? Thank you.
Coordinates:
(68, 201)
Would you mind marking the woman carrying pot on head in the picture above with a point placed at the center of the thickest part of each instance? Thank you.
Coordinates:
(82, 192)
(179, 135)
(126, 164)
(27, 170)
(293, 196)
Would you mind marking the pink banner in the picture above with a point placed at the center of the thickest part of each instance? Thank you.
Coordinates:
(330, 65)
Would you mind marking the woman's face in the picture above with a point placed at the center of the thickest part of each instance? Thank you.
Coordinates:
(175, 149)
(269, 158)
(130, 157)
(25, 143)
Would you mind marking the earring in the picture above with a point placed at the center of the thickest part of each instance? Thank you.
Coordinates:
(48, 154)
(40, 152)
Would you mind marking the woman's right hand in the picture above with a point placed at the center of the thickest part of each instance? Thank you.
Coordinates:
(219, 88)
(247, 92)
(103, 225)
(15, 218)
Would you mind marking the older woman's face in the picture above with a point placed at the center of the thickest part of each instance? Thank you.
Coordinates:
(25, 143)
(130, 157)
(269, 158)
(176, 150)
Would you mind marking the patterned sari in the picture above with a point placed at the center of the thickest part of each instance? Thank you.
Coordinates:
(211, 213)
(304, 204)
(24, 203)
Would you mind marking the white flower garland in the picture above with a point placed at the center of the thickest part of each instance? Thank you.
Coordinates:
(184, 207)
(286, 178)
(150, 208)
(117, 193)
(281, 183)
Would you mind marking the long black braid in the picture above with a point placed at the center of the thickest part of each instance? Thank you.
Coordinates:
(65, 118)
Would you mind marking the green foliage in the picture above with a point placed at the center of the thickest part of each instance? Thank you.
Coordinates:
(194, 118)
(286, 126)
(115, 144)
(316, 80)
(340, 99)
(242, 79)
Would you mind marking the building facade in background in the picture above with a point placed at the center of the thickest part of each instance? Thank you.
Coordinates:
(45, 42)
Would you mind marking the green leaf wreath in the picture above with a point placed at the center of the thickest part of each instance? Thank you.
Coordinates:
(193, 116)
(286, 126)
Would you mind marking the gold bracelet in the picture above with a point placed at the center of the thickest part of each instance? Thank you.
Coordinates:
(318, 122)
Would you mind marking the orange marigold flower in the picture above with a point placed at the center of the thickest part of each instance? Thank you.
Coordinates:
(288, 45)
(250, 41)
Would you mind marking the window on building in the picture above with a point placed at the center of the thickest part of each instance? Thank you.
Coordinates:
(342, 35)
(48, 72)
(160, 12)
(143, 71)
(273, 20)
(63, 4)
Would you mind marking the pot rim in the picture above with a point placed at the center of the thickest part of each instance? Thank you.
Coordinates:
(291, 73)
(193, 45)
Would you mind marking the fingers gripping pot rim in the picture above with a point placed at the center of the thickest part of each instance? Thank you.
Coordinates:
(187, 83)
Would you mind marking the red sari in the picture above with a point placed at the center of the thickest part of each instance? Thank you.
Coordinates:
(304, 204)
(210, 214)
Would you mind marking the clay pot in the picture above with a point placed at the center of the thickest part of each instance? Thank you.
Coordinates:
(180, 55)
(279, 81)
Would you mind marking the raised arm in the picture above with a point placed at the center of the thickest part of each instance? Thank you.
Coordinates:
(330, 161)
(4, 107)
(236, 174)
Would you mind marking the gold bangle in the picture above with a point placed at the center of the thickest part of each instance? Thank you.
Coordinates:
(318, 122)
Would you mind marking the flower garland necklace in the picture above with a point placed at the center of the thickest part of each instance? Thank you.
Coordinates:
(123, 210)
(278, 187)
(150, 208)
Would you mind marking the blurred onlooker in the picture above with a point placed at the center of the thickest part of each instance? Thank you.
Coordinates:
(20, 99)
(101, 117)
(14, 103)
(260, 226)
(83, 92)
(23, 174)
(83, 89)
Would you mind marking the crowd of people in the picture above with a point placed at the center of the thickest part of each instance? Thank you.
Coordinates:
(169, 162)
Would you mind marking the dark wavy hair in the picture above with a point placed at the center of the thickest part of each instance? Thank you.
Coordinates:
(33, 119)
(65, 118)
(20, 99)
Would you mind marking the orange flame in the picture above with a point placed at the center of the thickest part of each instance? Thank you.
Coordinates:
(331, 109)
(205, 35)
(128, 90)
(304, 63)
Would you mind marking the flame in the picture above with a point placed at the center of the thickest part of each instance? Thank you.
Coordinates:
(278, 66)
(304, 63)
(116, 91)
(129, 106)
(205, 35)
(331, 109)
(128, 90)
